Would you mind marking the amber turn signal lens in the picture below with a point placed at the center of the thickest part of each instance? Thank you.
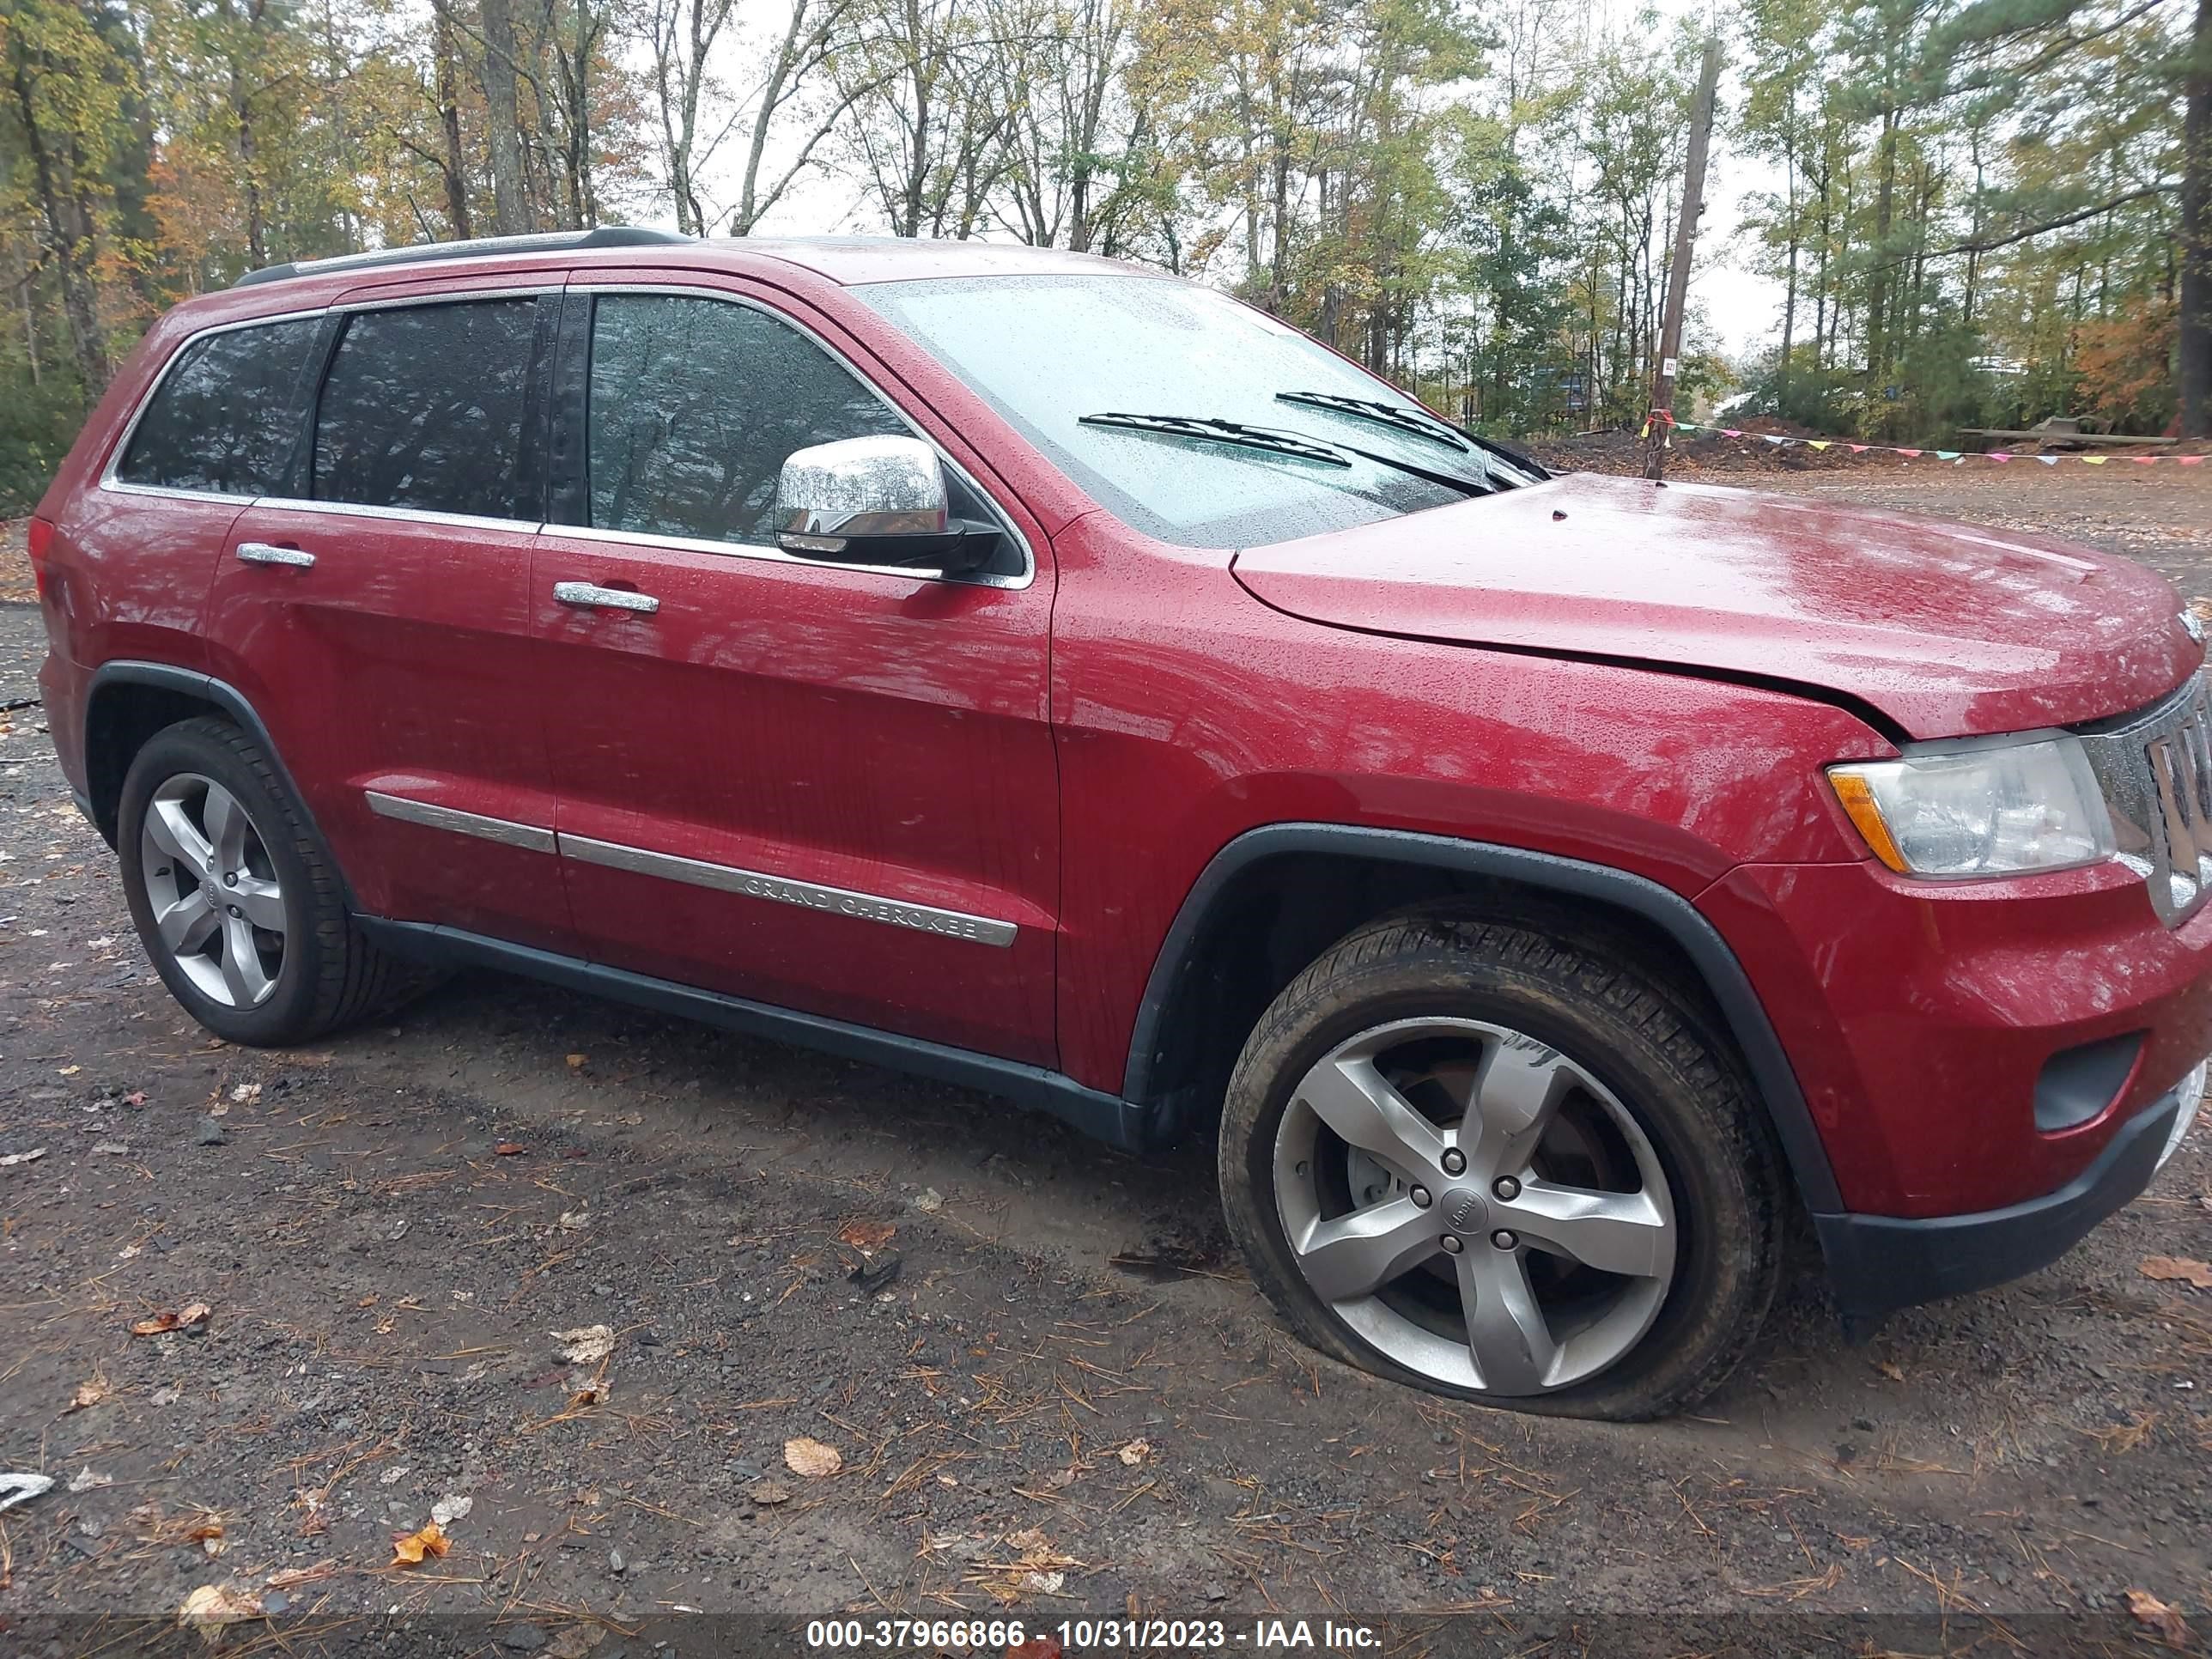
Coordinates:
(1858, 797)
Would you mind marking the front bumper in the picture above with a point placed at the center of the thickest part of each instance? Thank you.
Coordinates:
(1877, 1264)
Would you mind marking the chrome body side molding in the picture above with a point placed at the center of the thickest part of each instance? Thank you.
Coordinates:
(782, 889)
(528, 836)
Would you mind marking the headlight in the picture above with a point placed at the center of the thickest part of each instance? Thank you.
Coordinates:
(1979, 808)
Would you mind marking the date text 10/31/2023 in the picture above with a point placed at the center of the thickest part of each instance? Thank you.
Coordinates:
(1075, 1636)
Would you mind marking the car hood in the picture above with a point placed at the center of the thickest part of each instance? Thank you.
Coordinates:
(1946, 629)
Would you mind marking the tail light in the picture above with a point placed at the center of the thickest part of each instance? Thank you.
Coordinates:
(40, 539)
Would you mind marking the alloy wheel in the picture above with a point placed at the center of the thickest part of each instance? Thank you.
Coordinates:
(212, 891)
(1475, 1205)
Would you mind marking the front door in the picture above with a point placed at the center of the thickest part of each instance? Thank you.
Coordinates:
(822, 787)
(377, 613)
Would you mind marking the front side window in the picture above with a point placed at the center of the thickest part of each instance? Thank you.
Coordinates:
(694, 405)
(423, 408)
(223, 421)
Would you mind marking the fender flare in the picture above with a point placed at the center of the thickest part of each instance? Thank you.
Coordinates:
(1771, 1073)
(192, 682)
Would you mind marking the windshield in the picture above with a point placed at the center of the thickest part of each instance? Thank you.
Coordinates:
(1049, 351)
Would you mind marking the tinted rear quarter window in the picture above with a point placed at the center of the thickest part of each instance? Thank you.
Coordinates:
(424, 407)
(226, 415)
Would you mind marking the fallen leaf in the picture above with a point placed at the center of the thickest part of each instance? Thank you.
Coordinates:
(575, 1221)
(408, 1548)
(1890, 1369)
(2155, 1616)
(68, 1071)
(866, 1236)
(810, 1457)
(587, 1345)
(577, 1062)
(246, 1092)
(172, 1320)
(929, 1200)
(13, 1158)
(1043, 1584)
(90, 1393)
(451, 1508)
(1135, 1452)
(509, 1148)
(211, 1606)
(768, 1494)
(165, 1396)
(85, 1480)
(2180, 1268)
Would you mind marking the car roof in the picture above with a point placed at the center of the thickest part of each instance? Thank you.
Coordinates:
(841, 259)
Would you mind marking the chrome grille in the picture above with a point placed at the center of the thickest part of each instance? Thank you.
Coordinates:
(2155, 769)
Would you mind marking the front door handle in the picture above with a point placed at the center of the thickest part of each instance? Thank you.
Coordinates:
(591, 597)
(264, 553)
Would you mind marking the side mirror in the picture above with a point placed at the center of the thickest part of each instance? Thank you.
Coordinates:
(874, 500)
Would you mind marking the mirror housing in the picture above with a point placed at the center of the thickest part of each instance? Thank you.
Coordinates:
(875, 501)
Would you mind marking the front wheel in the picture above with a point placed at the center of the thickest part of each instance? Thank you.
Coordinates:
(1505, 1165)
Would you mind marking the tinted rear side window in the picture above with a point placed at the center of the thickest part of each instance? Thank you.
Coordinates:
(423, 408)
(225, 417)
(694, 405)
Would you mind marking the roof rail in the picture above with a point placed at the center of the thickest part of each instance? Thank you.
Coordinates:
(422, 254)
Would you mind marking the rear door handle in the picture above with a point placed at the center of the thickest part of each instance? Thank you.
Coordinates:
(591, 597)
(264, 553)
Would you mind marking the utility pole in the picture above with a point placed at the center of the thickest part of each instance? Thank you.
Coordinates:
(1678, 269)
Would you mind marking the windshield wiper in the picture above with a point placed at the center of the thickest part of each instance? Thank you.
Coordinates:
(1419, 421)
(1225, 432)
(1280, 442)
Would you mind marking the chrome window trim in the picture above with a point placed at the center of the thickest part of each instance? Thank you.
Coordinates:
(783, 889)
(114, 485)
(407, 514)
(508, 833)
(766, 552)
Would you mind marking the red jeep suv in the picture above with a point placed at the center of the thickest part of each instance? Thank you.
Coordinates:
(1064, 680)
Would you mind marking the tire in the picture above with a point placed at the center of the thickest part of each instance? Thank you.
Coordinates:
(1581, 1097)
(262, 950)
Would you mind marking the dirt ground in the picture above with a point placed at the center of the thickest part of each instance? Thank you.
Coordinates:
(1051, 1394)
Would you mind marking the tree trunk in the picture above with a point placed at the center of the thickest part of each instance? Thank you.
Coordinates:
(69, 225)
(2196, 304)
(510, 209)
(455, 168)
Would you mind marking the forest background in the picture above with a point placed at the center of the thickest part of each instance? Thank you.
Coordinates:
(1964, 212)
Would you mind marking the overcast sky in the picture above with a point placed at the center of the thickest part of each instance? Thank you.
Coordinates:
(1745, 308)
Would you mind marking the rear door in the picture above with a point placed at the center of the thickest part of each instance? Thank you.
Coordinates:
(377, 613)
(827, 787)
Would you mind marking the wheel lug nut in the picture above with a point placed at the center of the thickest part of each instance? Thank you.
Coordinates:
(1451, 1244)
(1454, 1161)
(1503, 1240)
(230, 881)
(235, 910)
(1507, 1188)
(1420, 1197)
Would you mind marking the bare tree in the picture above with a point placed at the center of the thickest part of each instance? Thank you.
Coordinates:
(681, 34)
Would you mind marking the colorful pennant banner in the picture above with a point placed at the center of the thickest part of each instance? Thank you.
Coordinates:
(1955, 456)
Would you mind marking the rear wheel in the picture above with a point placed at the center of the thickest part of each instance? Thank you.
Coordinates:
(235, 898)
(1505, 1164)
